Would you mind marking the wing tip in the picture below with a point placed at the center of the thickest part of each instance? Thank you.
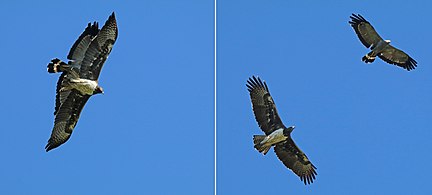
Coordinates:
(112, 17)
(112, 21)
(411, 64)
(356, 19)
(55, 142)
(50, 145)
(310, 176)
(255, 82)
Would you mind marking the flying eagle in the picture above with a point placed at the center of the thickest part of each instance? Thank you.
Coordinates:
(380, 47)
(79, 78)
(276, 134)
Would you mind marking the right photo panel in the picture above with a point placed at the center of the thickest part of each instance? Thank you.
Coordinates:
(323, 97)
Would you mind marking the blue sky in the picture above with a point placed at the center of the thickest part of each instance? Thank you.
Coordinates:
(365, 127)
(152, 130)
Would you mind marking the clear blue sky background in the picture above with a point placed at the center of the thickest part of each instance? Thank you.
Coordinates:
(367, 128)
(152, 131)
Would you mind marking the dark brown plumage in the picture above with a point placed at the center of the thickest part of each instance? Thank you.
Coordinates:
(380, 47)
(86, 59)
(269, 121)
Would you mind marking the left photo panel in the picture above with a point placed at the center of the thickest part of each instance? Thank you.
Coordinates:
(107, 98)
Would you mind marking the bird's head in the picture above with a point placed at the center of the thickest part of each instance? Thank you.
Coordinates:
(387, 41)
(291, 128)
(288, 130)
(97, 90)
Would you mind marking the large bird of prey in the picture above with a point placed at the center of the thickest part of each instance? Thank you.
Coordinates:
(380, 47)
(79, 78)
(276, 134)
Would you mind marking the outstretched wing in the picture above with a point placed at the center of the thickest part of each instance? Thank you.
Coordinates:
(66, 118)
(263, 106)
(293, 158)
(397, 57)
(365, 31)
(79, 48)
(99, 49)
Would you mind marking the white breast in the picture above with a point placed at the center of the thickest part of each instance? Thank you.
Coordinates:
(85, 86)
(275, 137)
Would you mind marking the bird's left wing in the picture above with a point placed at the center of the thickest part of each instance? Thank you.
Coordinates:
(397, 57)
(66, 118)
(79, 48)
(293, 158)
(99, 49)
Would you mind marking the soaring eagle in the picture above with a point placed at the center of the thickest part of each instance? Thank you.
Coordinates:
(79, 78)
(276, 134)
(380, 47)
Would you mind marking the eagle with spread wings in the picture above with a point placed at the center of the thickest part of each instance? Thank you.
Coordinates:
(79, 78)
(380, 47)
(276, 133)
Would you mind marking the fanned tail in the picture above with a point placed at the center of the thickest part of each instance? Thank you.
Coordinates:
(369, 58)
(56, 65)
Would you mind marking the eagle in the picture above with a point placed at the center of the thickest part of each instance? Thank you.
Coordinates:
(380, 47)
(79, 77)
(276, 133)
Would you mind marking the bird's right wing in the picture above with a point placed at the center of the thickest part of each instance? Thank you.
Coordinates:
(365, 31)
(99, 49)
(263, 106)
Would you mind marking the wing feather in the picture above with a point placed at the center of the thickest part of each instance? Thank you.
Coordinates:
(364, 30)
(263, 106)
(99, 50)
(66, 119)
(79, 48)
(60, 96)
(397, 57)
(293, 158)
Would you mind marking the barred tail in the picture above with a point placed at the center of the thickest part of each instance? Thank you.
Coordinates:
(260, 147)
(369, 58)
(57, 65)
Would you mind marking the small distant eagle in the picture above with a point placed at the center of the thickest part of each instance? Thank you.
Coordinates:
(277, 134)
(380, 47)
(79, 78)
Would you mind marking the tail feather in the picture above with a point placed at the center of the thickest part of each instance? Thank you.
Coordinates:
(369, 58)
(56, 65)
(260, 147)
